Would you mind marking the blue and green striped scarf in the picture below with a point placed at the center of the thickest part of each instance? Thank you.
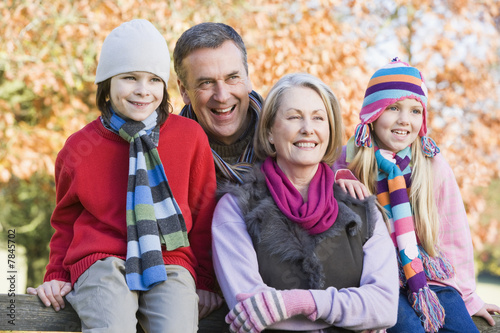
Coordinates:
(153, 216)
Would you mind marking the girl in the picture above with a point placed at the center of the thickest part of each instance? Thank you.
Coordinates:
(135, 197)
(391, 155)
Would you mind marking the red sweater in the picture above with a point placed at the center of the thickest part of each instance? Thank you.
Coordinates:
(91, 183)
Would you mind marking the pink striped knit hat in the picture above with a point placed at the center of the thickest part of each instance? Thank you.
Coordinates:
(394, 82)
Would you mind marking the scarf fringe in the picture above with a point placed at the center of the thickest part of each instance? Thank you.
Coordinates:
(426, 304)
(436, 268)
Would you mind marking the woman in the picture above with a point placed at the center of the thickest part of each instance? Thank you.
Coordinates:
(391, 154)
(287, 242)
(135, 197)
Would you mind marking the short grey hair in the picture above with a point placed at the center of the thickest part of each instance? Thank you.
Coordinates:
(205, 35)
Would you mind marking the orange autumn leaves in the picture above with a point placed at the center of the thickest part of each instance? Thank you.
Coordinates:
(49, 52)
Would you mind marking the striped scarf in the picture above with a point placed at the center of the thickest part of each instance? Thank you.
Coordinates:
(234, 172)
(153, 216)
(393, 185)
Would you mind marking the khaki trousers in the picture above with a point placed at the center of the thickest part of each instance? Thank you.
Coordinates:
(104, 302)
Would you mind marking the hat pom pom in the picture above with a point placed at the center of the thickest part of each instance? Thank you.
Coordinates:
(362, 136)
(429, 147)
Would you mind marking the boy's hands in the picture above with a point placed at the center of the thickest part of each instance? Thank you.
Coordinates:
(208, 302)
(51, 293)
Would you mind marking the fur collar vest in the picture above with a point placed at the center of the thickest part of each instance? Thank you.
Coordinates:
(278, 237)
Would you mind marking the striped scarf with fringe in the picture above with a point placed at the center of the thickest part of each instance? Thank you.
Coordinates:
(393, 186)
(153, 216)
(234, 172)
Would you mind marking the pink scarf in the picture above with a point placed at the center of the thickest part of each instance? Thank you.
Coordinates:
(319, 212)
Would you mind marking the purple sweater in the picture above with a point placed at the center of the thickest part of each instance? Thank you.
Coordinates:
(372, 305)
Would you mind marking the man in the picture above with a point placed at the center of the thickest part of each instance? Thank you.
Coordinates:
(210, 60)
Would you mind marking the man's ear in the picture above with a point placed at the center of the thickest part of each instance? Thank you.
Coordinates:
(249, 85)
(184, 94)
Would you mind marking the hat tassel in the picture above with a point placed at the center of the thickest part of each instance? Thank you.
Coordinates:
(362, 136)
(429, 147)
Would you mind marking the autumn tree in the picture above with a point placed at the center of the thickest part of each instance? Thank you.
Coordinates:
(49, 53)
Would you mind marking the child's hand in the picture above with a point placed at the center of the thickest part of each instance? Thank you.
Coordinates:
(51, 293)
(208, 302)
(354, 187)
(486, 312)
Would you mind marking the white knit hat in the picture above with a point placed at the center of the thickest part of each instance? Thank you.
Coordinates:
(134, 46)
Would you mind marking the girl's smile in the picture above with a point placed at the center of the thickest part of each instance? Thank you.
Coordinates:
(398, 126)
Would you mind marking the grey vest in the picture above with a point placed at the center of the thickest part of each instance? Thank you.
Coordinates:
(289, 257)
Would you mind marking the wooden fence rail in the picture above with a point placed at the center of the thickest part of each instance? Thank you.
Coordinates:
(28, 313)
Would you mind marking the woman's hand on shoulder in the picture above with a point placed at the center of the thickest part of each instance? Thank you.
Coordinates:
(486, 311)
(52, 293)
(355, 188)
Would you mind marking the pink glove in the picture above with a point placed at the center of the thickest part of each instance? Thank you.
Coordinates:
(254, 313)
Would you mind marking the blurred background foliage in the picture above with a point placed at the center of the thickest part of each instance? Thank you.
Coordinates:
(49, 52)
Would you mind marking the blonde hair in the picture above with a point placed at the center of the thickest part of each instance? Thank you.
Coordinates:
(264, 148)
(424, 208)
